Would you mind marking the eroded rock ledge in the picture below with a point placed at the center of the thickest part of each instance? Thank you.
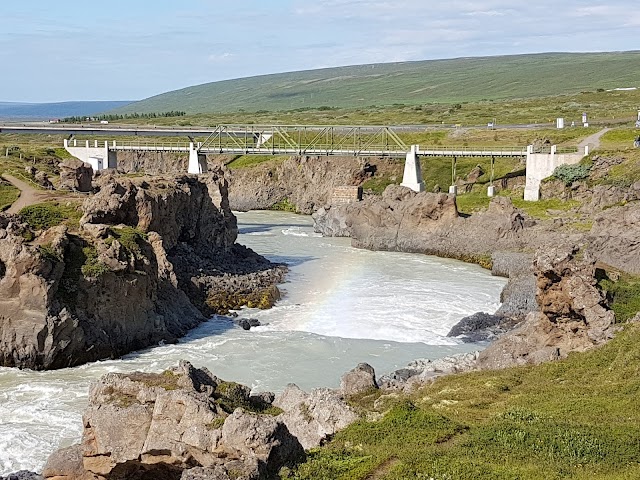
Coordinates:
(186, 423)
(150, 260)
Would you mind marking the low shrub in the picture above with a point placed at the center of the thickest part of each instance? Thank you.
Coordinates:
(571, 173)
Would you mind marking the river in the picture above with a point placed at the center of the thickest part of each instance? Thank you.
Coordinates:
(341, 306)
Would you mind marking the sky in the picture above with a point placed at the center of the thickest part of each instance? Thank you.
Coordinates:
(129, 50)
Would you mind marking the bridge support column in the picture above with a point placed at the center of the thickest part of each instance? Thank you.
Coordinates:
(412, 177)
(197, 161)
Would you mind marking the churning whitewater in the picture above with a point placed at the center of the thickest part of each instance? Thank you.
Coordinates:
(341, 306)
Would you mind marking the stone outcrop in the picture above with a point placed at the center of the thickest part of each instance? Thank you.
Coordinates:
(359, 380)
(429, 223)
(183, 423)
(315, 416)
(614, 238)
(573, 314)
(306, 182)
(76, 175)
(421, 372)
(143, 268)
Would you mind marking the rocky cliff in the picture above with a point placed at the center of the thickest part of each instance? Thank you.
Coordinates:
(186, 423)
(306, 182)
(150, 260)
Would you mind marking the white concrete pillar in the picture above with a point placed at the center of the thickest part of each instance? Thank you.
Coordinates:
(453, 190)
(491, 191)
(412, 177)
(86, 144)
(529, 149)
(66, 143)
(554, 149)
(586, 150)
(95, 144)
(197, 161)
(75, 143)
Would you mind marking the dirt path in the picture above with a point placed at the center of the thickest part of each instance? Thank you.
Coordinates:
(593, 140)
(28, 194)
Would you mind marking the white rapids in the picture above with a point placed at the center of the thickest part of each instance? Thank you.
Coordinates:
(341, 306)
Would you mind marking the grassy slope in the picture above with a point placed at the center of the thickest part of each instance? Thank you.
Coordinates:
(574, 419)
(412, 83)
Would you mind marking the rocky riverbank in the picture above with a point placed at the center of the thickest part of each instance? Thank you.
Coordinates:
(149, 259)
(553, 295)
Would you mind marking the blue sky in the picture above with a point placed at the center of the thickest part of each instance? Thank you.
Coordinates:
(128, 50)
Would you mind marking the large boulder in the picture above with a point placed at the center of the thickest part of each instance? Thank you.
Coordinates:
(76, 175)
(315, 416)
(359, 380)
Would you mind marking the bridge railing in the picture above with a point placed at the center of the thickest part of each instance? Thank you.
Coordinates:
(150, 146)
(470, 150)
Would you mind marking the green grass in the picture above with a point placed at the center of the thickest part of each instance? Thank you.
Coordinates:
(247, 161)
(575, 419)
(417, 84)
(8, 195)
(624, 296)
(50, 214)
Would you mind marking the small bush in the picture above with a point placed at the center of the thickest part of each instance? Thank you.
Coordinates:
(571, 173)
(92, 267)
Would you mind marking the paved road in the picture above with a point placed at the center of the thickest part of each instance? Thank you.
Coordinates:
(593, 140)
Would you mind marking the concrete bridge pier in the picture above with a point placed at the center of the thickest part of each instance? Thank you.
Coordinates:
(412, 177)
(542, 165)
(197, 161)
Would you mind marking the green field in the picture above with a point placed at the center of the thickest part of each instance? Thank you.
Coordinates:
(453, 81)
(573, 419)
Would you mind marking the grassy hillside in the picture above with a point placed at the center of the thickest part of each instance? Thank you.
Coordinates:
(435, 81)
(574, 419)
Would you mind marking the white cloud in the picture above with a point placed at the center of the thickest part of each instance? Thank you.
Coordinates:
(220, 57)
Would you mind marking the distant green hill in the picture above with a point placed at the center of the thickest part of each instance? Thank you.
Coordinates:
(432, 81)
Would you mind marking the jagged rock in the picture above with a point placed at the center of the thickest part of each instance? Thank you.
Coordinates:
(312, 417)
(573, 315)
(479, 327)
(148, 256)
(403, 220)
(263, 186)
(359, 380)
(76, 175)
(474, 174)
(143, 425)
(42, 179)
(614, 238)
(22, 475)
(420, 372)
(66, 464)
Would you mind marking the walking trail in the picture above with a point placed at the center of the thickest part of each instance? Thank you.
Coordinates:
(28, 194)
(593, 140)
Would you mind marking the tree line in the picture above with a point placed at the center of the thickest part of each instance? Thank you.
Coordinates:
(126, 116)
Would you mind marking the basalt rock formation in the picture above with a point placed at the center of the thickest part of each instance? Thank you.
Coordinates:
(183, 423)
(186, 423)
(573, 314)
(142, 268)
(306, 182)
